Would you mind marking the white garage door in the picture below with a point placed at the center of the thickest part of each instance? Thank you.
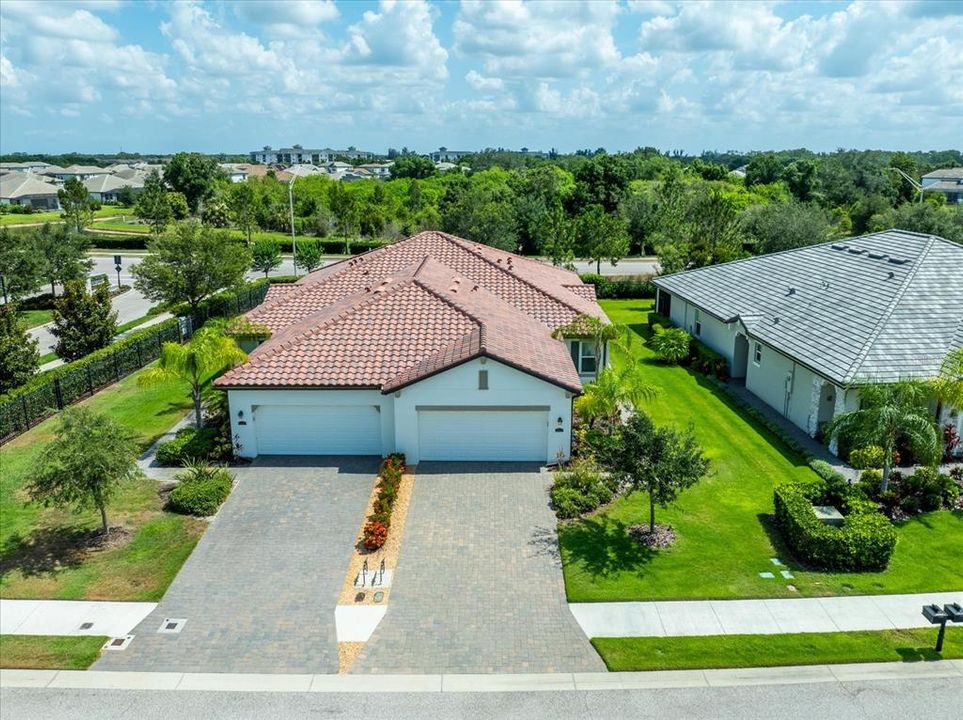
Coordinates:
(315, 430)
(502, 434)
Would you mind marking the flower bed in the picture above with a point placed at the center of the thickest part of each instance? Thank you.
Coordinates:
(375, 531)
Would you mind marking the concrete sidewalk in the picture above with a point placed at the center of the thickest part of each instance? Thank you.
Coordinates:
(65, 617)
(756, 617)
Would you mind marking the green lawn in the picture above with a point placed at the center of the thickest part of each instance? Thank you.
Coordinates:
(737, 651)
(55, 216)
(49, 652)
(125, 225)
(33, 318)
(47, 357)
(40, 549)
(726, 537)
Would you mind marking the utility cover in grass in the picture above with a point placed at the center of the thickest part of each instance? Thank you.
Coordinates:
(786, 574)
(775, 561)
(766, 575)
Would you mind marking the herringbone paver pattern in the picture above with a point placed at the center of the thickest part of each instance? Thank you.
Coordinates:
(260, 589)
(478, 588)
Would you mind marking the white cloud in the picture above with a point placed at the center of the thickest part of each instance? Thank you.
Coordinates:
(479, 82)
(287, 18)
(400, 34)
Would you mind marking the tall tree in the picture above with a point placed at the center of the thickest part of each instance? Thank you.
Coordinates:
(19, 356)
(76, 204)
(82, 321)
(308, 256)
(785, 226)
(242, 201)
(661, 461)
(265, 255)
(210, 352)
(412, 166)
(62, 255)
(889, 414)
(800, 177)
(603, 180)
(194, 175)
(85, 463)
(715, 232)
(557, 236)
(153, 205)
(189, 262)
(20, 265)
(601, 236)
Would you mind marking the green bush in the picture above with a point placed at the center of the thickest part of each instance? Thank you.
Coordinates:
(657, 319)
(118, 242)
(619, 288)
(671, 346)
(865, 541)
(926, 490)
(708, 361)
(189, 444)
(581, 488)
(201, 490)
(867, 457)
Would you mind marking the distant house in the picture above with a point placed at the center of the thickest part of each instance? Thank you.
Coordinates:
(29, 166)
(81, 172)
(107, 188)
(300, 171)
(236, 172)
(299, 155)
(28, 190)
(805, 328)
(446, 155)
(948, 181)
(378, 170)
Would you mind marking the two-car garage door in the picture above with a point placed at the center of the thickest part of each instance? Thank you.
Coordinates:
(483, 434)
(318, 430)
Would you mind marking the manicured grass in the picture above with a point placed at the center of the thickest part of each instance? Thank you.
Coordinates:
(47, 357)
(33, 318)
(124, 225)
(40, 549)
(134, 323)
(50, 652)
(726, 537)
(738, 651)
(55, 216)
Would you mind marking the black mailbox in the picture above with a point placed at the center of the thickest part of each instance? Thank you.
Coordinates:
(935, 614)
(954, 611)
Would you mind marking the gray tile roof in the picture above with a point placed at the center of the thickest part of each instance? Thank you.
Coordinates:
(878, 307)
(954, 173)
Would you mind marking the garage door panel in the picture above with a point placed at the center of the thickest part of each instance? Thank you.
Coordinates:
(483, 434)
(318, 430)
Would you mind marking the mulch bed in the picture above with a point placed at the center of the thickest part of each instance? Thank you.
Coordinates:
(663, 537)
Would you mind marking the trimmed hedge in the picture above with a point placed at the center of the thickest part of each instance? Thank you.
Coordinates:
(117, 242)
(609, 288)
(329, 246)
(201, 491)
(189, 444)
(226, 303)
(375, 531)
(865, 541)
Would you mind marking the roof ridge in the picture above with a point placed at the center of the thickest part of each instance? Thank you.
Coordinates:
(888, 313)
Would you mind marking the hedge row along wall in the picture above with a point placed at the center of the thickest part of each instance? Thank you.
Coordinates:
(329, 246)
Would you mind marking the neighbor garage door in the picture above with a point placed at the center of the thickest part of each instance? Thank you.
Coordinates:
(313, 430)
(477, 434)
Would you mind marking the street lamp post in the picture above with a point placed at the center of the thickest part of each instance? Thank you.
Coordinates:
(294, 245)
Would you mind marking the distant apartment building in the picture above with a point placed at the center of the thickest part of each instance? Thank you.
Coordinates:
(298, 155)
(443, 154)
(948, 181)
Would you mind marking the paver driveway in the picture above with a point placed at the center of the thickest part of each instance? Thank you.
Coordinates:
(260, 589)
(478, 587)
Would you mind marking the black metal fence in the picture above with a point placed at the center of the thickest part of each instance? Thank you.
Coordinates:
(56, 389)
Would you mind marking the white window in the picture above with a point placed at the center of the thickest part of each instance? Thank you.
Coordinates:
(583, 355)
(757, 353)
(698, 322)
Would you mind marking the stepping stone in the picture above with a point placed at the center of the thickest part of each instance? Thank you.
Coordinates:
(775, 561)
(791, 588)
(766, 575)
(786, 574)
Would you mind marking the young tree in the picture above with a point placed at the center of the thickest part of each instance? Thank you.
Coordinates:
(309, 254)
(178, 205)
(82, 321)
(126, 196)
(62, 255)
(153, 205)
(194, 175)
(601, 237)
(557, 236)
(265, 255)
(208, 353)
(887, 414)
(19, 357)
(715, 233)
(661, 461)
(20, 265)
(85, 463)
(242, 201)
(75, 202)
(189, 263)
(215, 214)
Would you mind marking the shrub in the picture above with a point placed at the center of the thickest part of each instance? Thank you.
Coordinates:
(201, 489)
(865, 541)
(375, 535)
(189, 444)
(671, 346)
(375, 531)
(625, 288)
(658, 319)
(708, 361)
(581, 488)
(867, 457)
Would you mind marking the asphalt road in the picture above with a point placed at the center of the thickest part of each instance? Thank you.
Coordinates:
(933, 699)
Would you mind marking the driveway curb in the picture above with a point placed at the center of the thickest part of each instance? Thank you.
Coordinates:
(545, 682)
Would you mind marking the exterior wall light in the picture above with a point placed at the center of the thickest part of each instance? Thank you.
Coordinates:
(559, 424)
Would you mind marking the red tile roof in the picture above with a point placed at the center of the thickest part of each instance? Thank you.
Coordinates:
(401, 313)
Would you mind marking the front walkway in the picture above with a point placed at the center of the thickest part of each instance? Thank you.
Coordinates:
(258, 593)
(757, 617)
(478, 587)
(71, 617)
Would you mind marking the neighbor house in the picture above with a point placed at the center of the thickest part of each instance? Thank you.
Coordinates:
(107, 188)
(948, 181)
(29, 190)
(81, 172)
(434, 346)
(805, 328)
(300, 155)
(446, 155)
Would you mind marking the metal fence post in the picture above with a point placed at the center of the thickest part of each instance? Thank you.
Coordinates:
(58, 394)
(26, 416)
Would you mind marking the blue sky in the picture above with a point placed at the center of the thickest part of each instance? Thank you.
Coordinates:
(232, 76)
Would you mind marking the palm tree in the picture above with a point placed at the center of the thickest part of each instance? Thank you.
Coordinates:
(888, 414)
(209, 351)
(948, 387)
(618, 386)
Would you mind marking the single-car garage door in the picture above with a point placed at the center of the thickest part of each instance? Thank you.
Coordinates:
(478, 434)
(318, 430)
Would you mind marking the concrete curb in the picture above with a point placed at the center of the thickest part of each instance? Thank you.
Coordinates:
(560, 682)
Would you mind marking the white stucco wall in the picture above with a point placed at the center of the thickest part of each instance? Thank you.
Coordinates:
(506, 387)
(718, 335)
(249, 400)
